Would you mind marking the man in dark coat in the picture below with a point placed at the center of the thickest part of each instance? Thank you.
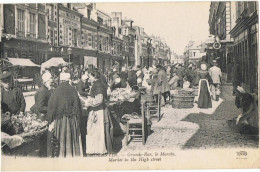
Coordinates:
(82, 86)
(123, 77)
(12, 99)
(132, 78)
(180, 73)
(42, 97)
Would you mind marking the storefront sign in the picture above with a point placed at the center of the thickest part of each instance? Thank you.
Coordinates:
(216, 45)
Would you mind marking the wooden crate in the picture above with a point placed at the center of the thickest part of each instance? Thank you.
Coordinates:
(182, 102)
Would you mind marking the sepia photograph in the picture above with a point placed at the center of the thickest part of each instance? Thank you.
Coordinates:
(129, 85)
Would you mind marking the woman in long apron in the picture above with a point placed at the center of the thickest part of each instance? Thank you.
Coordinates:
(99, 126)
(204, 79)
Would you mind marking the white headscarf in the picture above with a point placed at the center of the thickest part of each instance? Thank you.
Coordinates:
(46, 76)
(64, 76)
(84, 77)
(117, 80)
(203, 67)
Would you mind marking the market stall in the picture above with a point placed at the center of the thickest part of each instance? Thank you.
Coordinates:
(123, 101)
(26, 72)
(53, 62)
(21, 133)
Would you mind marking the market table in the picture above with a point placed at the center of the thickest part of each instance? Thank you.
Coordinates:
(25, 82)
(118, 109)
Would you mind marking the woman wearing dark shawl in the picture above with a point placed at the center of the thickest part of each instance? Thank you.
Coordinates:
(63, 114)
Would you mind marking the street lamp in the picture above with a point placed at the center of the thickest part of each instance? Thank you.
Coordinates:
(69, 50)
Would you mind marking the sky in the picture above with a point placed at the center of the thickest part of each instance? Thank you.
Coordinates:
(176, 22)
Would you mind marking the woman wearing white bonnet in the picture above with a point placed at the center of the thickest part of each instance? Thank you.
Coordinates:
(64, 77)
(204, 95)
(63, 115)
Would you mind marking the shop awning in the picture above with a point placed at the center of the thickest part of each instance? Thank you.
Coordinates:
(53, 62)
(22, 62)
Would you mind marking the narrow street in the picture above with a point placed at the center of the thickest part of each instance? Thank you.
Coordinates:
(195, 129)
(190, 128)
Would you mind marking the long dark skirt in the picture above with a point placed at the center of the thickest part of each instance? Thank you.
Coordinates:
(65, 139)
(109, 137)
(204, 100)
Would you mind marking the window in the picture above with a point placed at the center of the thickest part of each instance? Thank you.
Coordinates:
(104, 44)
(74, 37)
(85, 39)
(93, 42)
(52, 37)
(32, 23)
(66, 34)
(100, 20)
(51, 12)
(114, 48)
(89, 13)
(100, 43)
(20, 20)
(89, 40)
(107, 43)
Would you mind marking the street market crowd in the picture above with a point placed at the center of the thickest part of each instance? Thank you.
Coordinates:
(74, 101)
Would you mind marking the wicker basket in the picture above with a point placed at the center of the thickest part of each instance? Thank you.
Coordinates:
(182, 102)
(34, 134)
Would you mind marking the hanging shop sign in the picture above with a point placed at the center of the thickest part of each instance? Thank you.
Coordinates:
(216, 45)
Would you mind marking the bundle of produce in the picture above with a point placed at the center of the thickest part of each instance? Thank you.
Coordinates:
(29, 122)
(120, 94)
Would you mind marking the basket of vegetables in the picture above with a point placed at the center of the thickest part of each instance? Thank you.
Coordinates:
(29, 125)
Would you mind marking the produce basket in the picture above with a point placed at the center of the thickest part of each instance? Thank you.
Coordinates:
(34, 134)
(182, 101)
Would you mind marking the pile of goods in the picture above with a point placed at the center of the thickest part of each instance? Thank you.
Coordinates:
(183, 92)
(183, 98)
(27, 123)
(122, 94)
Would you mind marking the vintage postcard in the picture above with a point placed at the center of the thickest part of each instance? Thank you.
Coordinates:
(129, 85)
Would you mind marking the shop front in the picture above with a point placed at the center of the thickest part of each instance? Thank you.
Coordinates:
(245, 51)
(37, 52)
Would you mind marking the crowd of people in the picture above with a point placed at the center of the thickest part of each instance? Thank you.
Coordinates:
(78, 127)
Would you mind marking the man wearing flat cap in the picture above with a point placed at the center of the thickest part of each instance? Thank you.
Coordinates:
(12, 99)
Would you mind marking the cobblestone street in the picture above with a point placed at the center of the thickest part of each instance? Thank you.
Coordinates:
(195, 129)
(190, 128)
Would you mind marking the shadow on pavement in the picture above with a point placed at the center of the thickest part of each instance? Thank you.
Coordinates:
(214, 132)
